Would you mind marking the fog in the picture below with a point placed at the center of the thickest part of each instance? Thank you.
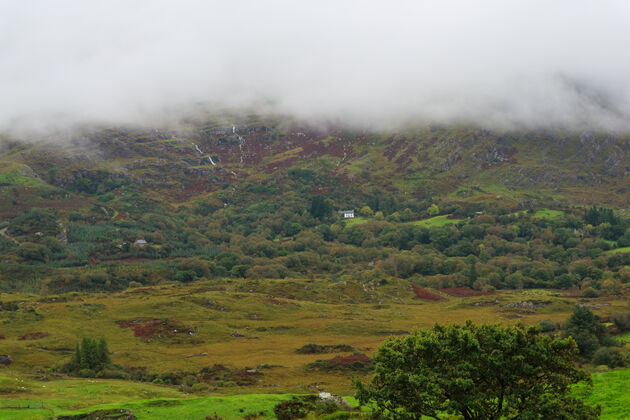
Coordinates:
(563, 63)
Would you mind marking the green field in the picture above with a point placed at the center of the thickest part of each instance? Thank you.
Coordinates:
(14, 178)
(355, 221)
(73, 396)
(548, 214)
(64, 397)
(610, 390)
(436, 221)
(618, 250)
(271, 328)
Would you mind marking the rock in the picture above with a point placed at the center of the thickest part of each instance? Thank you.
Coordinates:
(486, 303)
(5, 359)
(528, 304)
(197, 355)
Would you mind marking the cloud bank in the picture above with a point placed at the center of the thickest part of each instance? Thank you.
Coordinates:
(499, 63)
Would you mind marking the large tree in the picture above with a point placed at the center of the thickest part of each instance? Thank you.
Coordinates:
(479, 372)
(584, 327)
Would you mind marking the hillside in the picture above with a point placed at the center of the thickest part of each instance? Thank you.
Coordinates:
(214, 259)
(347, 165)
(259, 197)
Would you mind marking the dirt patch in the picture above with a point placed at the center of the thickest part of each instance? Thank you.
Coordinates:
(463, 292)
(422, 293)
(33, 336)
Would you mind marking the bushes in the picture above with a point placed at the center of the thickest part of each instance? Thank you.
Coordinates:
(622, 322)
(317, 349)
(36, 220)
(34, 252)
(610, 357)
(300, 407)
(358, 362)
(546, 326)
(295, 408)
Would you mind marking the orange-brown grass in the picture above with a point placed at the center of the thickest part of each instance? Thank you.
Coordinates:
(249, 329)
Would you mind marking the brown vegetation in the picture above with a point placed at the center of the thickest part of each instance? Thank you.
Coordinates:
(33, 336)
(463, 292)
(425, 294)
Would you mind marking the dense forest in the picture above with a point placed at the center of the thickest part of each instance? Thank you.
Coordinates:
(116, 208)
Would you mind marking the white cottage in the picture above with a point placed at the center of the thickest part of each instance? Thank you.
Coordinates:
(347, 214)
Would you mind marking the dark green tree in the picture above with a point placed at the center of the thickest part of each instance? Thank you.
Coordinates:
(91, 354)
(587, 331)
(321, 208)
(479, 372)
(88, 354)
(102, 352)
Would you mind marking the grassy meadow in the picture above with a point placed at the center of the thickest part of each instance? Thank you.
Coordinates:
(240, 324)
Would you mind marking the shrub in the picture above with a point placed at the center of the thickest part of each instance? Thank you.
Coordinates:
(610, 357)
(295, 408)
(316, 348)
(106, 197)
(200, 387)
(356, 362)
(546, 325)
(622, 322)
(342, 415)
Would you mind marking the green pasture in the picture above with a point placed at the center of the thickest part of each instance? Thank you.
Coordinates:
(436, 221)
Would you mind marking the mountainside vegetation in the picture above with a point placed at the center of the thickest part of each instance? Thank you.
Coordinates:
(213, 257)
(259, 197)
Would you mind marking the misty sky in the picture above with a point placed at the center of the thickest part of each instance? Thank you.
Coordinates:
(497, 63)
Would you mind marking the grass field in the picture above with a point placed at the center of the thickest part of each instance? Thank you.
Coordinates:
(610, 390)
(147, 401)
(618, 250)
(548, 214)
(63, 397)
(355, 221)
(436, 221)
(14, 178)
(241, 324)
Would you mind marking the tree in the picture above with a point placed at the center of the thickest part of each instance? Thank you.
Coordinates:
(433, 210)
(587, 331)
(88, 357)
(91, 355)
(102, 352)
(321, 208)
(478, 372)
(366, 211)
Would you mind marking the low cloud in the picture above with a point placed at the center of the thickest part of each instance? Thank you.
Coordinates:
(510, 64)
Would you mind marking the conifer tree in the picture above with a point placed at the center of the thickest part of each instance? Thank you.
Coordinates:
(103, 353)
